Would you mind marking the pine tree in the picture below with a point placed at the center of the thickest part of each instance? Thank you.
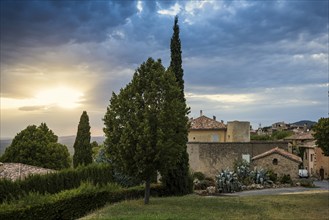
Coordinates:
(145, 123)
(82, 147)
(178, 180)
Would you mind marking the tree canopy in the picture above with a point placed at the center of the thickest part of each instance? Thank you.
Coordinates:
(321, 134)
(37, 146)
(178, 180)
(82, 147)
(145, 124)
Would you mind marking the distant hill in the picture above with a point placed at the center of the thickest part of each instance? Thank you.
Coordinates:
(66, 140)
(308, 123)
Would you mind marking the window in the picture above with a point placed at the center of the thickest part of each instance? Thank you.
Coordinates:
(311, 157)
(275, 161)
(215, 138)
(305, 155)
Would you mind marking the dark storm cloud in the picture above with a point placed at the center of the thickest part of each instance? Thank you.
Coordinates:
(29, 23)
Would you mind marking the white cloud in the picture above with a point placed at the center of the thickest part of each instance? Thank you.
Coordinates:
(173, 10)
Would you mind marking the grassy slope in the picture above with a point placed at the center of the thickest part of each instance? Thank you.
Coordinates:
(302, 206)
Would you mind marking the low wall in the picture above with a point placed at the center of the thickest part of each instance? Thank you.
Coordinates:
(210, 158)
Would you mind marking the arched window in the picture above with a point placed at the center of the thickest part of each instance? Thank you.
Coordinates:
(275, 161)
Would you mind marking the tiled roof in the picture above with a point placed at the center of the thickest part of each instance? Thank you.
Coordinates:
(205, 123)
(278, 151)
(301, 136)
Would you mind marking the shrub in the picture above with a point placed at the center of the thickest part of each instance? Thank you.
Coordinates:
(285, 179)
(71, 204)
(227, 182)
(55, 182)
(272, 176)
(199, 176)
(203, 184)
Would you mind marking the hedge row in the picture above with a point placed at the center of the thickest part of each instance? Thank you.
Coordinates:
(72, 204)
(55, 182)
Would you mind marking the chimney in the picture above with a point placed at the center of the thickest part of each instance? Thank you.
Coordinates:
(214, 117)
(200, 113)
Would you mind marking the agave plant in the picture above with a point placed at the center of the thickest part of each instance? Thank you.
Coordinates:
(227, 182)
(260, 176)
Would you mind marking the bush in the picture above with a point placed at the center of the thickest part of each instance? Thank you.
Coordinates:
(272, 176)
(55, 182)
(203, 184)
(285, 179)
(199, 176)
(71, 204)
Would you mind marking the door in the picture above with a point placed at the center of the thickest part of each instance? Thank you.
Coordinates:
(322, 174)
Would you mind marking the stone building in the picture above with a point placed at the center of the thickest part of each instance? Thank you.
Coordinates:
(210, 158)
(278, 160)
(204, 129)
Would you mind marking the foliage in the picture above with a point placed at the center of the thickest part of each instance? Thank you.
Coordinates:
(82, 147)
(321, 135)
(285, 179)
(199, 176)
(227, 182)
(272, 176)
(242, 169)
(276, 135)
(37, 146)
(145, 124)
(55, 182)
(263, 137)
(260, 176)
(279, 135)
(178, 179)
(70, 204)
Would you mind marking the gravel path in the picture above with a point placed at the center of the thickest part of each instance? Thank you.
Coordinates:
(321, 186)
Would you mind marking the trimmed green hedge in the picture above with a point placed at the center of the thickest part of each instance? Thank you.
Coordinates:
(71, 204)
(55, 182)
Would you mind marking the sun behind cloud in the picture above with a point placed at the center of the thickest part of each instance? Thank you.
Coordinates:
(61, 96)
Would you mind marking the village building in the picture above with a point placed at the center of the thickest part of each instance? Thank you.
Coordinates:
(204, 129)
(314, 160)
(279, 161)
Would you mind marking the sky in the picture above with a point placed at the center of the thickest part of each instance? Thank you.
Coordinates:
(257, 61)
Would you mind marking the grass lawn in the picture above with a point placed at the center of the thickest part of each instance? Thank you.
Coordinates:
(294, 206)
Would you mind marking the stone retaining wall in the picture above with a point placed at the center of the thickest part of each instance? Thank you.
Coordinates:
(15, 171)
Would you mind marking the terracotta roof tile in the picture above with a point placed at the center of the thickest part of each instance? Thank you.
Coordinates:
(281, 152)
(205, 123)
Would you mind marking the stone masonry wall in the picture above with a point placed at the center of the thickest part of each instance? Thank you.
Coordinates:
(284, 166)
(210, 158)
(15, 171)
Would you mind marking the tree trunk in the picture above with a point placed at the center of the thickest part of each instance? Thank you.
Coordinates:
(147, 191)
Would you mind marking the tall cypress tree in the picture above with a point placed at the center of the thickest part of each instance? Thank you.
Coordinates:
(176, 57)
(178, 180)
(82, 147)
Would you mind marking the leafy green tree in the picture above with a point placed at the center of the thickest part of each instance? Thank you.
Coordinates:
(37, 146)
(145, 124)
(321, 135)
(82, 147)
(178, 180)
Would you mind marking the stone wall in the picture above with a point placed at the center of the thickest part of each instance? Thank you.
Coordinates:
(283, 165)
(210, 158)
(14, 171)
